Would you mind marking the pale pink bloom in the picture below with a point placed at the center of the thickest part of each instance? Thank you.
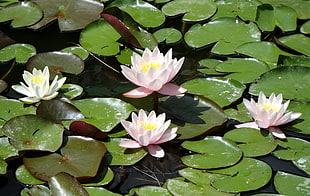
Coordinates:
(269, 114)
(148, 131)
(152, 72)
(38, 86)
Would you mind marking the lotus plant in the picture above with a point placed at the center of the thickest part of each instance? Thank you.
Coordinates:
(38, 86)
(269, 114)
(152, 72)
(148, 131)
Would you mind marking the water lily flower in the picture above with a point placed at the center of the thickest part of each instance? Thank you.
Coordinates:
(152, 72)
(38, 87)
(148, 131)
(269, 114)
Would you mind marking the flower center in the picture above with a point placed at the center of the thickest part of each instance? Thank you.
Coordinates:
(147, 125)
(37, 79)
(270, 106)
(146, 66)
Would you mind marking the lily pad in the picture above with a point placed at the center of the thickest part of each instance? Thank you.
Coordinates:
(81, 52)
(6, 151)
(244, 70)
(305, 28)
(122, 156)
(104, 176)
(298, 42)
(3, 86)
(193, 115)
(69, 12)
(70, 91)
(20, 52)
(57, 62)
(104, 113)
(6, 2)
(216, 31)
(248, 174)
(98, 191)
(215, 152)
(207, 66)
(69, 160)
(303, 123)
(25, 177)
(297, 60)
(252, 142)
(168, 35)
(150, 191)
(192, 10)
(291, 185)
(29, 132)
(242, 114)
(144, 13)
(22, 13)
(36, 190)
(125, 56)
(295, 78)
(223, 91)
(100, 38)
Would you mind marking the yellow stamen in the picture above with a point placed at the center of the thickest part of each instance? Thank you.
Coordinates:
(38, 79)
(146, 66)
(148, 125)
(269, 106)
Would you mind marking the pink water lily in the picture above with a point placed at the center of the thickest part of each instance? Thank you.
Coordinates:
(148, 131)
(152, 72)
(269, 114)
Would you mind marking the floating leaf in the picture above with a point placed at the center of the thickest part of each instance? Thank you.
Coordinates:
(242, 114)
(81, 52)
(98, 191)
(297, 60)
(265, 17)
(104, 113)
(291, 185)
(150, 191)
(272, 82)
(22, 13)
(248, 174)
(71, 14)
(36, 190)
(305, 28)
(298, 42)
(6, 2)
(144, 13)
(100, 38)
(20, 52)
(215, 152)
(6, 151)
(216, 31)
(252, 142)
(303, 123)
(57, 62)
(3, 86)
(125, 56)
(223, 91)
(25, 177)
(208, 66)
(104, 176)
(168, 35)
(70, 91)
(192, 10)
(85, 129)
(29, 132)
(69, 160)
(244, 70)
(193, 115)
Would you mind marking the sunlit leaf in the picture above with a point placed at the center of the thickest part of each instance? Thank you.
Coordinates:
(24, 176)
(6, 2)
(300, 126)
(104, 176)
(125, 56)
(242, 114)
(81, 52)
(150, 191)
(168, 35)
(297, 60)
(98, 191)
(298, 42)
(70, 91)
(36, 190)
(207, 66)
(20, 52)
(305, 28)
(6, 151)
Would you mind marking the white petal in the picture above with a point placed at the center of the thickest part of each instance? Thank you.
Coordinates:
(252, 125)
(156, 151)
(30, 100)
(276, 131)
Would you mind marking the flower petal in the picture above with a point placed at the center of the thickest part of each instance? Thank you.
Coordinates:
(252, 125)
(170, 134)
(138, 92)
(276, 131)
(129, 144)
(172, 89)
(30, 100)
(156, 151)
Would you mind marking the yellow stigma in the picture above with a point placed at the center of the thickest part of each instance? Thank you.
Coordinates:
(146, 66)
(269, 106)
(37, 79)
(147, 125)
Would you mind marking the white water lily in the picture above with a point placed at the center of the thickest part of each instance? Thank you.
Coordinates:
(269, 114)
(38, 86)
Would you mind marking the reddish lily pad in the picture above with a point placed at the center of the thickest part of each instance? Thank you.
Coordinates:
(20, 52)
(69, 160)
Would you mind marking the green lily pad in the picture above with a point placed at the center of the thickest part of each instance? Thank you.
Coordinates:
(100, 38)
(242, 114)
(71, 14)
(295, 78)
(125, 56)
(252, 142)
(244, 70)
(25, 177)
(144, 13)
(7, 2)
(21, 52)
(57, 62)
(69, 160)
(291, 185)
(303, 163)
(264, 51)
(6, 151)
(294, 148)
(305, 28)
(248, 174)
(168, 35)
(223, 91)
(216, 31)
(215, 152)
(207, 66)
(103, 177)
(150, 191)
(70, 91)
(265, 17)
(298, 42)
(98, 191)
(104, 113)
(122, 156)
(11, 108)
(29, 132)
(193, 10)
(36, 190)
(3, 86)
(65, 184)
(303, 123)
(193, 115)
(81, 52)
(22, 13)
(296, 60)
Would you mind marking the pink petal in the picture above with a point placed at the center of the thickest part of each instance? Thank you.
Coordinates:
(138, 92)
(277, 132)
(156, 151)
(170, 134)
(252, 125)
(172, 89)
(129, 144)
